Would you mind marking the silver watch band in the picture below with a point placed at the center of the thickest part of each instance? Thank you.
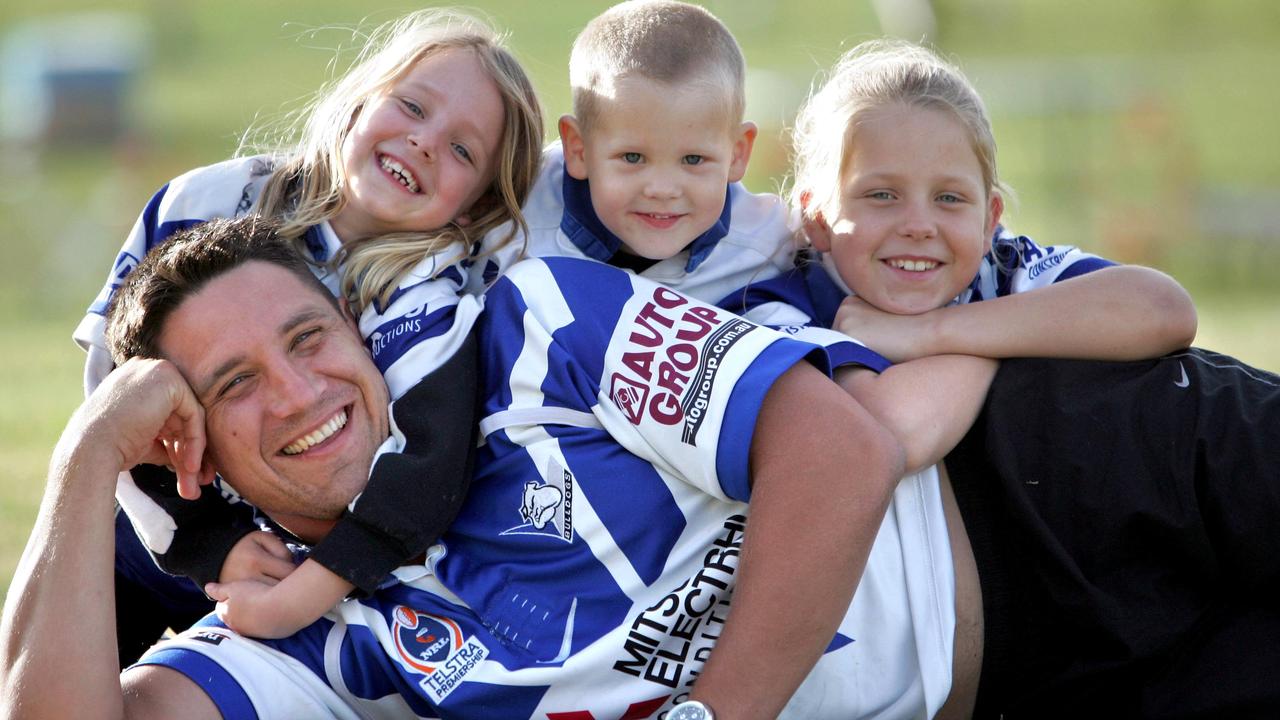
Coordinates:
(691, 710)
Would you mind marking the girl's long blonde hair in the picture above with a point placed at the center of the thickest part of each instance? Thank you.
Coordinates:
(307, 185)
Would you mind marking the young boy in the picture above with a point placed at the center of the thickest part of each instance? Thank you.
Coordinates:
(644, 177)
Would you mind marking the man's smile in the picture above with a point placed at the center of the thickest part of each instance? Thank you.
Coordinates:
(319, 435)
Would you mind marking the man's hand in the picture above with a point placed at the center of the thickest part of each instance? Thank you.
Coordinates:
(259, 556)
(145, 412)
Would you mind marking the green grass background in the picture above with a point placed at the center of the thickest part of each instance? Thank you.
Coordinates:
(1143, 130)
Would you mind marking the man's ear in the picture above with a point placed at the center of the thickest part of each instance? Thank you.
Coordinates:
(575, 148)
(349, 316)
(995, 208)
(744, 140)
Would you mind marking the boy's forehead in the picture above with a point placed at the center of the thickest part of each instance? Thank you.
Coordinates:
(699, 101)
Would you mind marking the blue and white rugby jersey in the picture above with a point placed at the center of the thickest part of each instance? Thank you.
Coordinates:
(591, 570)
(753, 241)
(733, 265)
(422, 326)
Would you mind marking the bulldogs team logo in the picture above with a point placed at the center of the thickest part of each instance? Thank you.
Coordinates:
(436, 647)
(547, 507)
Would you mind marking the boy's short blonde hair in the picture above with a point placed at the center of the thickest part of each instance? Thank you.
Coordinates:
(658, 40)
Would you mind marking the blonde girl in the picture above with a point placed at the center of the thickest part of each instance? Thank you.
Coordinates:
(895, 169)
(385, 181)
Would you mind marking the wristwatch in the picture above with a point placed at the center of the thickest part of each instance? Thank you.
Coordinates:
(691, 710)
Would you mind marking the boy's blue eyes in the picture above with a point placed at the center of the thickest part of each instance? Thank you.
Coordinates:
(635, 158)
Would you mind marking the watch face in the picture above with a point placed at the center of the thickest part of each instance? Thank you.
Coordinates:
(690, 711)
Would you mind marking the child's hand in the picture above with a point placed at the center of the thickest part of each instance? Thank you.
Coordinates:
(265, 608)
(897, 337)
(254, 608)
(259, 556)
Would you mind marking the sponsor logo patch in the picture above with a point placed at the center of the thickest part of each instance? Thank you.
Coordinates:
(434, 646)
(1045, 265)
(669, 642)
(212, 637)
(672, 354)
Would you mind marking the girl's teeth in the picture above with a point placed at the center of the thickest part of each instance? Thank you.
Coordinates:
(396, 169)
(914, 265)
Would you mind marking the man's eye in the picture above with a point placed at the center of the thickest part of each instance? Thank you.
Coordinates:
(693, 159)
(950, 198)
(232, 384)
(632, 158)
(306, 337)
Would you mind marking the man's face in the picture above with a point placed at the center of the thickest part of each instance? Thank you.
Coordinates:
(660, 158)
(294, 406)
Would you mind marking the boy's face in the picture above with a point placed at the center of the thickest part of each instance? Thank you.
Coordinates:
(914, 217)
(659, 157)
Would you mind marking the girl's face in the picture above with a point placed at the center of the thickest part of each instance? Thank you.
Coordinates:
(914, 217)
(423, 151)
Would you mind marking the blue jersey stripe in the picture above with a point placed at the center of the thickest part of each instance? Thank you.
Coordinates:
(222, 688)
(732, 460)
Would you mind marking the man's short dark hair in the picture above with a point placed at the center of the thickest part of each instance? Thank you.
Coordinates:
(181, 266)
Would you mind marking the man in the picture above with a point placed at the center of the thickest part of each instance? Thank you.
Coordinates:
(256, 355)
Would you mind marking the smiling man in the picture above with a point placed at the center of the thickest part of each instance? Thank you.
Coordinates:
(644, 421)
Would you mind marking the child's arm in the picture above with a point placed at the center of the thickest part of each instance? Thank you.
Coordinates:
(418, 481)
(259, 609)
(260, 556)
(423, 342)
(927, 404)
(1123, 312)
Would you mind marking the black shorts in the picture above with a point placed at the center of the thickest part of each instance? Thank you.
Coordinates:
(1125, 519)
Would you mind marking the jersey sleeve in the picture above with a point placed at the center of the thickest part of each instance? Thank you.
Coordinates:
(1017, 264)
(421, 340)
(204, 530)
(791, 304)
(675, 381)
(424, 322)
(418, 481)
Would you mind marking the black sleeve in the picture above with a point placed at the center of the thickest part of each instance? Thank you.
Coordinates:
(413, 494)
(207, 528)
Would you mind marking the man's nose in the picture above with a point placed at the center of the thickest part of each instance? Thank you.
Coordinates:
(294, 390)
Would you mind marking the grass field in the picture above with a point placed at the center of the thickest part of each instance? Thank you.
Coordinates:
(1142, 130)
